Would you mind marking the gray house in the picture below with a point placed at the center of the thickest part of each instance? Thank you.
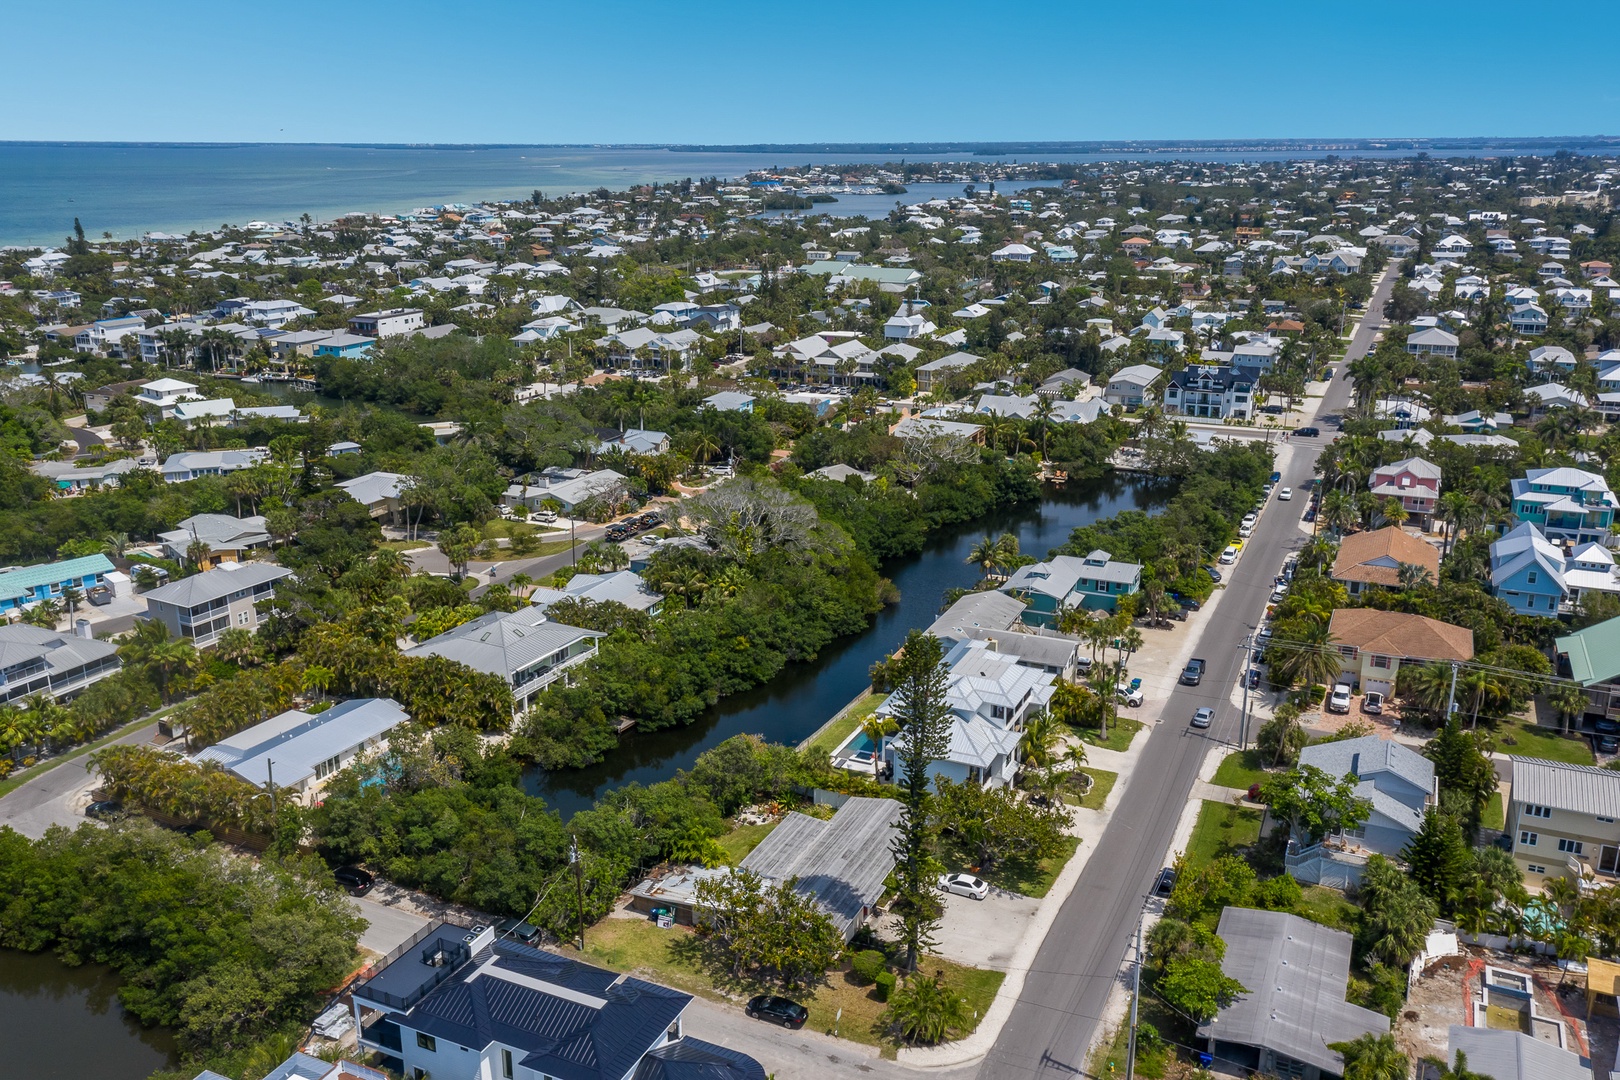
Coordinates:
(34, 660)
(1296, 972)
(1513, 1055)
(1397, 780)
(202, 607)
(523, 647)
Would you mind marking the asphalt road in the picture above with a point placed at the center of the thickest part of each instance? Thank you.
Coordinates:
(53, 797)
(1068, 986)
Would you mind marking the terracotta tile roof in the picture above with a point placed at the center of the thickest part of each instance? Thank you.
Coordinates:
(1359, 550)
(1394, 633)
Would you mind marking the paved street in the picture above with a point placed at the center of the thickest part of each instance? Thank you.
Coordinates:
(1067, 987)
(430, 560)
(58, 797)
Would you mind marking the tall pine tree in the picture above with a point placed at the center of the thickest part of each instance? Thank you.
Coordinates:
(924, 717)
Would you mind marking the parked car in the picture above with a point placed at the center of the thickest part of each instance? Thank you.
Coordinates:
(1214, 574)
(1310, 515)
(1177, 612)
(1253, 678)
(1373, 703)
(1279, 594)
(964, 885)
(1132, 698)
(1229, 556)
(545, 517)
(356, 881)
(1285, 494)
(1083, 665)
(1276, 478)
(1308, 432)
(1203, 717)
(104, 809)
(1246, 530)
(1185, 601)
(1339, 700)
(518, 930)
(779, 1010)
(1167, 881)
(1608, 744)
(1193, 673)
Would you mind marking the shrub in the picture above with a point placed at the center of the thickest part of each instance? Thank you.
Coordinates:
(885, 984)
(868, 965)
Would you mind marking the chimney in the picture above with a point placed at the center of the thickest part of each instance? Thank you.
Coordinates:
(990, 644)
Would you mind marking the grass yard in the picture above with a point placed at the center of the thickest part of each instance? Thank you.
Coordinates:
(669, 957)
(1120, 734)
(1240, 769)
(405, 545)
(1025, 876)
(1152, 1061)
(1528, 740)
(1321, 904)
(832, 734)
(1494, 817)
(1221, 829)
(1102, 782)
(743, 839)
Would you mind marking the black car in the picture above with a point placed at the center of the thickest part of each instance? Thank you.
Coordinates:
(1185, 601)
(1308, 432)
(790, 1014)
(1177, 613)
(1254, 678)
(1166, 882)
(1310, 515)
(104, 809)
(1214, 574)
(1606, 726)
(356, 881)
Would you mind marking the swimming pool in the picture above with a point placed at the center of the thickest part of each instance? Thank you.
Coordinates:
(858, 748)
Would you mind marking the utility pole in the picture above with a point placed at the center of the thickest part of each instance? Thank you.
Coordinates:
(270, 770)
(1136, 996)
(1451, 696)
(579, 885)
(1248, 666)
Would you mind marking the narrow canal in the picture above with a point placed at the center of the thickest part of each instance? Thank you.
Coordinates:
(66, 1023)
(799, 700)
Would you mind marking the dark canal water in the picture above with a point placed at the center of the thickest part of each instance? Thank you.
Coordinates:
(66, 1023)
(802, 698)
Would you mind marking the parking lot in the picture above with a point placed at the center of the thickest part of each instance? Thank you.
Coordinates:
(981, 933)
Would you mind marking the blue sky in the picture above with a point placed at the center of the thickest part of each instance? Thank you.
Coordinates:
(531, 71)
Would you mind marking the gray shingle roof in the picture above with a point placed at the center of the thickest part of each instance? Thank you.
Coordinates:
(1369, 756)
(1513, 1055)
(20, 643)
(1296, 973)
(1579, 789)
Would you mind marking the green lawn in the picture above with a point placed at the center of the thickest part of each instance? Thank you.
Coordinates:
(1220, 830)
(1102, 782)
(743, 839)
(1327, 906)
(405, 545)
(1120, 734)
(669, 957)
(1029, 877)
(1526, 739)
(832, 735)
(1240, 769)
(1494, 817)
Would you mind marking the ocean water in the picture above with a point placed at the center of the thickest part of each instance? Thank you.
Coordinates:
(130, 189)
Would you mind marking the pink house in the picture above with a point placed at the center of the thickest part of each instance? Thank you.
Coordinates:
(1415, 482)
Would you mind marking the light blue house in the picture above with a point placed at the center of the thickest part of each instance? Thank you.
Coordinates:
(30, 584)
(1527, 572)
(1398, 781)
(731, 401)
(345, 345)
(1095, 583)
(1568, 505)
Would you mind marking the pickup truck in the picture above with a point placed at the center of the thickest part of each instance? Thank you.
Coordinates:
(1194, 672)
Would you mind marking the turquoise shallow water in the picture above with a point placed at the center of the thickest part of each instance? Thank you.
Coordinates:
(129, 189)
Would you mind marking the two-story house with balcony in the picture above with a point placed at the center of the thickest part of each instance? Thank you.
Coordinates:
(203, 606)
(387, 323)
(1373, 645)
(460, 1004)
(1214, 393)
(34, 660)
(1432, 341)
(1049, 588)
(524, 647)
(991, 695)
(162, 395)
(1413, 481)
(1568, 505)
(1564, 821)
(1527, 572)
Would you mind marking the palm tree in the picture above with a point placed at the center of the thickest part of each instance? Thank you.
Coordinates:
(704, 446)
(1338, 511)
(1039, 745)
(1373, 1057)
(43, 614)
(197, 553)
(1453, 511)
(876, 729)
(1007, 553)
(114, 545)
(1426, 686)
(983, 553)
(318, 679)
(1477, 686)
(1311, 657)
(1413, 577)
(1570, 701)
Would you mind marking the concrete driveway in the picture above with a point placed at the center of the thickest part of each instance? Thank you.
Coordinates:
(984, 933)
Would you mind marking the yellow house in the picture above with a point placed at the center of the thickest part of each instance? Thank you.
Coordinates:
(1373, 644)
(1564, 821)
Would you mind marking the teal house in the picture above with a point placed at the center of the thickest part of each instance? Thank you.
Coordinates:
(1567, 505)
(26, 585)
(1095, 583)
